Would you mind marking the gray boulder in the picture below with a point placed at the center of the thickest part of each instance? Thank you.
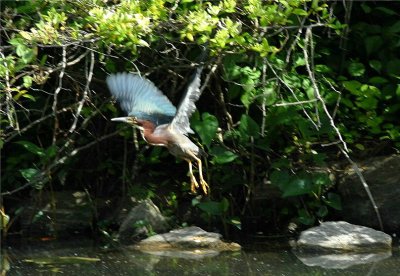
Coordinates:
(383, 177)
(342, 236)
(141, 221)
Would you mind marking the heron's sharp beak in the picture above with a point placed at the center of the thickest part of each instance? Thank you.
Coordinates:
(129, 120)
(120, 119)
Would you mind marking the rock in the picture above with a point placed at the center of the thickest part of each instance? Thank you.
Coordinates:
(383, 177)
(343, 236)
(142, 220)
(190, 242)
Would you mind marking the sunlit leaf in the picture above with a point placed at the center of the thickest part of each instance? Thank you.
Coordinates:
(29, 173)
(356, 69)
(32, 148)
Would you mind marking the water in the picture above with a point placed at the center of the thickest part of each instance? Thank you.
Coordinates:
(77, 257)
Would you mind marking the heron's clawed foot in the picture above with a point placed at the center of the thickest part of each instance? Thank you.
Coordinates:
(193, 184)
(204, 186)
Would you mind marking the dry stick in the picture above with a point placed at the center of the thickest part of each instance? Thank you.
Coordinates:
(57, 91)
(296, 103)
(263, 110)
(365, 185)
(335, 110)
(85, 93)
(316, 89)
(212, 71)
(65, 64)
(343, 147)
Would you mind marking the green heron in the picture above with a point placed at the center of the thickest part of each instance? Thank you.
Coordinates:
(159, 122)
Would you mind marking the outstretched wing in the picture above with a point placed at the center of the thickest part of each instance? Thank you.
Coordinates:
(187, 107)
(140, 98)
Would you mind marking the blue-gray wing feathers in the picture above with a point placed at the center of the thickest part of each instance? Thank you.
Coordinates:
(139, 97)
(186, 107)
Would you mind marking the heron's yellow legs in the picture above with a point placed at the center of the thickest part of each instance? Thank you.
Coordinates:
(194, 183)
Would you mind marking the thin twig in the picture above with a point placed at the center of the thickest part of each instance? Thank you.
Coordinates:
(57, 91)
(317, 93)
(263, 103)
(296, 103)
(85, 94)
(16, 133)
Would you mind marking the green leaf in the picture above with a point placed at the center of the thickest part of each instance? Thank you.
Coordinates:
(395, 28)
(393, 67)
(27, 81)
(373, 43)
(300, 12)
(248, 127)
(321, 179)
(51, 151)
(235, 221)
(353, 86)
(322, 211)
(222, 155)
(291, 185)
(376, 65)
(206, 128)
(4, 220)
(386, 11)
(356, 69)
(297, 186)
(214, 208)
(305, 218)
(378, 80)
(29, 174)
(360, 146)
(333, 201)
(32, 148)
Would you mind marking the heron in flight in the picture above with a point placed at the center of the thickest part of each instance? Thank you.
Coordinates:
(159, 122)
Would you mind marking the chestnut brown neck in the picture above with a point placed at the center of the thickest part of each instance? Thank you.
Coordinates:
(149, 136)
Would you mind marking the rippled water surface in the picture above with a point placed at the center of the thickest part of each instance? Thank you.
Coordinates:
(78, 257)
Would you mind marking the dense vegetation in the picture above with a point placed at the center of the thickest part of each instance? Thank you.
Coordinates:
(289, 88)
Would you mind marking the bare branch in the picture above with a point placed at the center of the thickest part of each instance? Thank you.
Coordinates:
(14, 134)
(85, 93)
(316, 89)
(58, 89)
